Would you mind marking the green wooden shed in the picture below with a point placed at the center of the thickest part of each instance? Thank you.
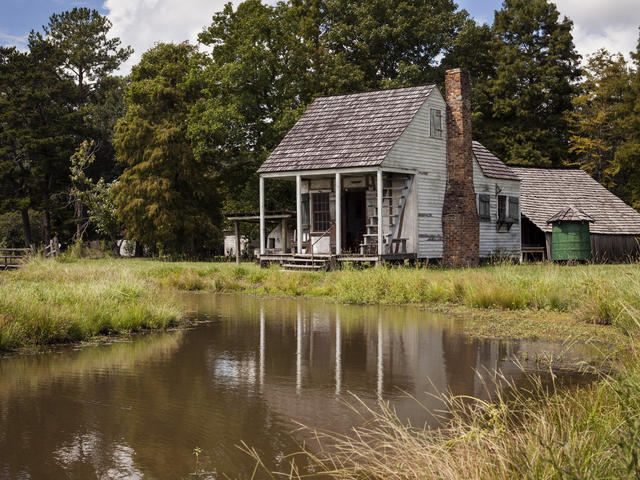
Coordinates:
(571, 236)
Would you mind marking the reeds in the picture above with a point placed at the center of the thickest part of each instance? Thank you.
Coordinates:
(541, 432)
(49, 302)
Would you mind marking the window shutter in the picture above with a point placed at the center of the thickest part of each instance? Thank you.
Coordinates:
(435, 124)
(514, 210)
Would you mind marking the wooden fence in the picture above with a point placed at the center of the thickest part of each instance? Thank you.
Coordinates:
(13, 257)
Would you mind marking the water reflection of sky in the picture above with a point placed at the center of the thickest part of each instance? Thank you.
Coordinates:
(134, 410)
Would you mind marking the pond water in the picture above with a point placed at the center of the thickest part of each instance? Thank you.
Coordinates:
(250, 370)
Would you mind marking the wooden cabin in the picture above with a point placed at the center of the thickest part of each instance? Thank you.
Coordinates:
(392, 175)
(552, 195)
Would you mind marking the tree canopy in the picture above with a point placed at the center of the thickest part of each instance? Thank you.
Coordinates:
(177, 142)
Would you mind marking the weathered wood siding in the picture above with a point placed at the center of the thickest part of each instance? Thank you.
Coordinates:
(493, 242)
(615, 248)
(418, 152)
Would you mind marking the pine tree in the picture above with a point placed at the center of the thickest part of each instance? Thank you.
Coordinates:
(522, 115)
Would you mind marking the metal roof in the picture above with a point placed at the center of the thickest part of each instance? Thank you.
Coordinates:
(342, 131)
(545, 191)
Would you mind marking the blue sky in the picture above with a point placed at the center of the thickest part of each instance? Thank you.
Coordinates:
(611, 24)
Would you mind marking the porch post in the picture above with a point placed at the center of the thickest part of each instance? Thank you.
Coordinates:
(262, 228)
(283, 235)
(338, 214)
(299, 214)
(379, 185)
(236, 229)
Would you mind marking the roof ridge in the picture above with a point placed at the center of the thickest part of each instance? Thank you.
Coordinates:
(364, 92)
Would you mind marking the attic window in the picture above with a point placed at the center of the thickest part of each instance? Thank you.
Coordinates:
(436, 123)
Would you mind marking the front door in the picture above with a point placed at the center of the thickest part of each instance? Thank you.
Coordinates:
(354, 220)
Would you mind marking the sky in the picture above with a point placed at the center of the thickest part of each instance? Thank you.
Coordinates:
(610, 24)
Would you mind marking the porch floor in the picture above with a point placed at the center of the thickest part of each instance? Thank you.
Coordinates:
(333, 259)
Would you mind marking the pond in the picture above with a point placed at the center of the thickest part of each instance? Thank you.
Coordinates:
(248, 371)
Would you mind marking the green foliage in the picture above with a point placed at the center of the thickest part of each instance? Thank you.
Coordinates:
(521, 117)
(596, 122)
(166, 196)
(628, 154)
(80, 38)
(397, 43)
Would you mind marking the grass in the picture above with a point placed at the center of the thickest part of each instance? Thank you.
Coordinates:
(60, 301)
(543, 432)
(49, 302)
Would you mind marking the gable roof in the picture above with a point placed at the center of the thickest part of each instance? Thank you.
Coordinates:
(355, 130)
(545, 191)
(492, 166)
(571, 214)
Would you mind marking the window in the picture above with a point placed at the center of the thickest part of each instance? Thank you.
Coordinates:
(321, 215)
(436, 123)
(502, 208)
(514, 210)
(484, 206)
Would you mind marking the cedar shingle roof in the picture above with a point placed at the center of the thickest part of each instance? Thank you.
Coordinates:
(355, 130)
(545, 191)
(492, 166)
(570, 214)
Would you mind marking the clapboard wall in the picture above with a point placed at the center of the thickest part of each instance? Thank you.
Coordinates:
(494, 242)
(426, 156)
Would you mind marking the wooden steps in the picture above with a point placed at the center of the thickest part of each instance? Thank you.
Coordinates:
(306, 263)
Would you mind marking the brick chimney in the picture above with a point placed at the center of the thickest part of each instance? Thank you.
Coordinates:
(460, 227)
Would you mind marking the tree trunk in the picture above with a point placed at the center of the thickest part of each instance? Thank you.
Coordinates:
(78, 214)
(46, 231)
(26, 227)
(138, 251)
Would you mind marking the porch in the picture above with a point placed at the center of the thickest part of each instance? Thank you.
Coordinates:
(345, 215)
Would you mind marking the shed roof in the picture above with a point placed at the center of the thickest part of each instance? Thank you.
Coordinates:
(355, 130)
(492, 166)
(570, 214)
(544, 191)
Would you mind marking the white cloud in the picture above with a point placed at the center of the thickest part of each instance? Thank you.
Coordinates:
(20, 42)
(610, 24)
(143, 23)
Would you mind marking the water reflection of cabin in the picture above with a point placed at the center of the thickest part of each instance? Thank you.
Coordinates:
(371, 171)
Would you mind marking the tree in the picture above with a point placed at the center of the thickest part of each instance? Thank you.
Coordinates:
(595, 119)
(87, 54)
(37, 125)
(395, 42)
(81, 185)
(521, 116)
(627, 156)
(166, 197)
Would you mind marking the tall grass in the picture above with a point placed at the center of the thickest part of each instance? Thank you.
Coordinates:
(49, 302)
(52, 301)
(542, 432)
(593, 293)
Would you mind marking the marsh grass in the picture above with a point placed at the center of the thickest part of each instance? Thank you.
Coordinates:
(50, 302)
(592, 293)
(53, 301)
(539, 432)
